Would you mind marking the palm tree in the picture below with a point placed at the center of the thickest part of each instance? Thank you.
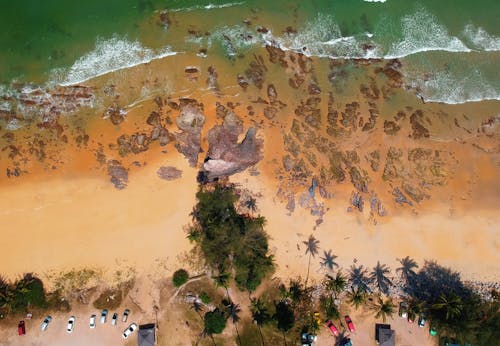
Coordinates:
(356, 297)
(383, 308)
(312, 249)
(407, 268)
(233, 311)
(451, 304)
(222, 280)
(415, 307)
(260, 315)
(329, 260)
(251, 204)
(197, 307)
(378, 276)
(359, 278)
(335, 284)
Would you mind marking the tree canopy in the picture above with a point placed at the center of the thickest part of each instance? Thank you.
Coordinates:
(230, 241)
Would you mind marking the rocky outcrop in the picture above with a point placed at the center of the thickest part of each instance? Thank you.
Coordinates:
(225, 155)
(169, 173)
(190, 121)
(118, 174)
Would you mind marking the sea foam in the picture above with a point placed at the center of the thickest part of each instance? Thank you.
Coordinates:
(480, 39)
(108, 56)
(422, 32)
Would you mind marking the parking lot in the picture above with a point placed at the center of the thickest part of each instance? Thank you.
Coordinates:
(56, 334)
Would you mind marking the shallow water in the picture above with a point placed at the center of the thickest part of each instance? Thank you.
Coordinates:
(450, 49)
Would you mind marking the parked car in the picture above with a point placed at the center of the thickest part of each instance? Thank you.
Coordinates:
(104, 315)
(92, 321)
(421, 320)
(21, 328)
(403, 310)
(411, 317)
(114, 318)
(129, 330)
(45, 323)
(433, 332)
(332, 327)
(349, 323)
(71, 324)
(125, 315)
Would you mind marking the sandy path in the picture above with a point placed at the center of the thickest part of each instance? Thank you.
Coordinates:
(74, 222)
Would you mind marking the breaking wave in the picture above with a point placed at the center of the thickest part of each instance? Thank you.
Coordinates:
(108, 56)
(207, 7)
(480, 39)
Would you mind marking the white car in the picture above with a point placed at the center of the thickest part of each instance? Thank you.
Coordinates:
(71, 324)
(104, 315)
(129, 330)
(92, 321)
(45, 323)
(125, 315)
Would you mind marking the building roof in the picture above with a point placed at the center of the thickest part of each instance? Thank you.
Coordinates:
(146, 336)
(384, 335)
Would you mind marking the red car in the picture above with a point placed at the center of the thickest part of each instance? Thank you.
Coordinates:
(334, 329)
(21, 329)
(349, 323)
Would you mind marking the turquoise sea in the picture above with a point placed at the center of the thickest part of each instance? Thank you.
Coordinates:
(449, 48)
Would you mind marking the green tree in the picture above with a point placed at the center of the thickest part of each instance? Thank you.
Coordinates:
(285, 317)
(328, 260)
(233, 310)
(260, 314)
(312, 245)
(407, 268)
(335, 284)
(383, 308)
(215, 322)
(450, 304)
(356, 297)
(379, 276)
(180, 277)
(329, 308)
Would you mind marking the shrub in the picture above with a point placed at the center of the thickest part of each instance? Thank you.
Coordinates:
(204, 297)
(215, 322)
(109, 299)
(180, 277)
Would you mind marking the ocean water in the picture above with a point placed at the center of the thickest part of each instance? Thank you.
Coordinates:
(450, 49)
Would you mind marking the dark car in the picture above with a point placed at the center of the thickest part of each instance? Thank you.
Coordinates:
(403, 310)
(114, 318)
(349, 323)
(125, 315)
(21, 328)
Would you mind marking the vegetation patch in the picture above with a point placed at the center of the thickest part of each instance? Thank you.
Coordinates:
(234, 245)
(180, 277)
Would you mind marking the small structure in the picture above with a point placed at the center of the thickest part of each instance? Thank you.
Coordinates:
(146, 335)
(384, 335)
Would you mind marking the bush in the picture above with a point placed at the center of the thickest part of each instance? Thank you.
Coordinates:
(180, 277)
(109, 299)
(215, 322)
(204, 297)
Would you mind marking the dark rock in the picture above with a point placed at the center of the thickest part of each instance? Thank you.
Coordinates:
(419, 131)
(276, 55)
(358, 180)
(115, 114)
(400, 197)
(391, 128)
(272, 94)
(190, 121)
(270, 112)
(290, 205)
(154, 119)
(357, 201)
(256, 71)
(314, 89)
(225, 155)
(118, 174)
(169, 173)
(212, 78)
(242, 82)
